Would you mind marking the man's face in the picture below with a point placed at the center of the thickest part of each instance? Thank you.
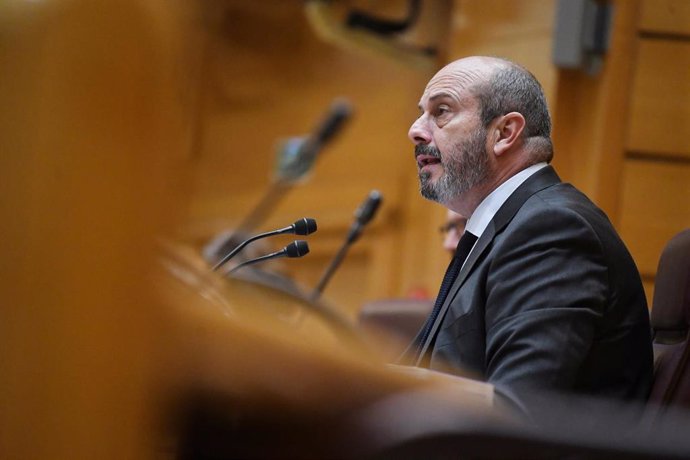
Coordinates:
(450, 141)
(464, 166)
(452, 231)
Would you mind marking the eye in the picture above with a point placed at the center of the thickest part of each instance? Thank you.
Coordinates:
(442, 110)
(442, 114)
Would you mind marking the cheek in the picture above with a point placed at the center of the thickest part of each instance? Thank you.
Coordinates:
(443, 142)
(449, 136)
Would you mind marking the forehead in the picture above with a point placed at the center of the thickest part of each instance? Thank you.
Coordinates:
(452, 82)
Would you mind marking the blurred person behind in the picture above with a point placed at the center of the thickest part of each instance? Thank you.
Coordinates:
(452, 230)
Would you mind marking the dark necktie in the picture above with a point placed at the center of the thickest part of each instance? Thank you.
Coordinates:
(462, 251)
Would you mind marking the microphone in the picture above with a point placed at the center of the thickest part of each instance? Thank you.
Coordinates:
(366, 211)
(298, 248)
(331, 125)
(295, 159)
(364, 214)
(298, 154)
(303, 226)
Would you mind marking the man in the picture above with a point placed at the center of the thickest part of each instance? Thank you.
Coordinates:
(548, 298)
(452, 230)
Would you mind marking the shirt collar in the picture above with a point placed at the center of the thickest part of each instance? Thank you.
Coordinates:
(490, 205)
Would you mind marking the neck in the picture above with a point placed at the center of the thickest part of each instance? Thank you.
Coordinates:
(466, 203)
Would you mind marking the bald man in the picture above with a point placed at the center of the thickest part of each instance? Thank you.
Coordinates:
(549, 297)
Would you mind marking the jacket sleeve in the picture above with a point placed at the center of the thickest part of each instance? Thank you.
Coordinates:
(546, 294)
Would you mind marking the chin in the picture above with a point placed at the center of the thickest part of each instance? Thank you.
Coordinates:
(429, 192)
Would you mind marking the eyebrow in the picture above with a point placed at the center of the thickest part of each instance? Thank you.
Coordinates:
(440, 95)
(436, 96)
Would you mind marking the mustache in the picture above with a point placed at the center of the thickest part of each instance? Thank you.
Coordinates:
(424, 149)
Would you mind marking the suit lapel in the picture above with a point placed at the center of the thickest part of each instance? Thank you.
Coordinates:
(540, 180)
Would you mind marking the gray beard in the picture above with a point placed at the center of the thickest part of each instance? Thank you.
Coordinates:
(465, 166)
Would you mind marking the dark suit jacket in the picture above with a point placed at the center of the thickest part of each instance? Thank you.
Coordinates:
(549, 298)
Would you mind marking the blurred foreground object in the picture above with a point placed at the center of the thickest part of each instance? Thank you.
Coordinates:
(95, 104)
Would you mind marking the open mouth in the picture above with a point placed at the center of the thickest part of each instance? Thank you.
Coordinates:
(426, 160)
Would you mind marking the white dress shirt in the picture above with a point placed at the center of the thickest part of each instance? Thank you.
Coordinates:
(486, 210)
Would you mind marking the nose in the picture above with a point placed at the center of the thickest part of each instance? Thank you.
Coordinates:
(419, 132)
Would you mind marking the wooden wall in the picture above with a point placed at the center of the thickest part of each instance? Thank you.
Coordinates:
(268, 76)
(620, 135)
(656, 176)
(520, 31)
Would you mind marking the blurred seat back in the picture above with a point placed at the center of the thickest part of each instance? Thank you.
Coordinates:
(670, 324)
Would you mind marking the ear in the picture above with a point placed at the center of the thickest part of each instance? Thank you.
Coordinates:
(507, 132)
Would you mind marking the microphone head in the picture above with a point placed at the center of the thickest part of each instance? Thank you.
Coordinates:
(339, 112)
(297, 248)
(368, 209)
(304, 226)
(296, 156)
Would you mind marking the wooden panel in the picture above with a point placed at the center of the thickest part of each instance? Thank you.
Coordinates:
(518, 30)
(318, 201)
(588, 128)
(426, 261)
(261, 88)
(665, 16)
(347, 290)
(654, 207)
(660, 109)
(372, 261)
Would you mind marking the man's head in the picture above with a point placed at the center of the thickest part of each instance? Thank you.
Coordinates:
(452, 230)
(483, 120)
